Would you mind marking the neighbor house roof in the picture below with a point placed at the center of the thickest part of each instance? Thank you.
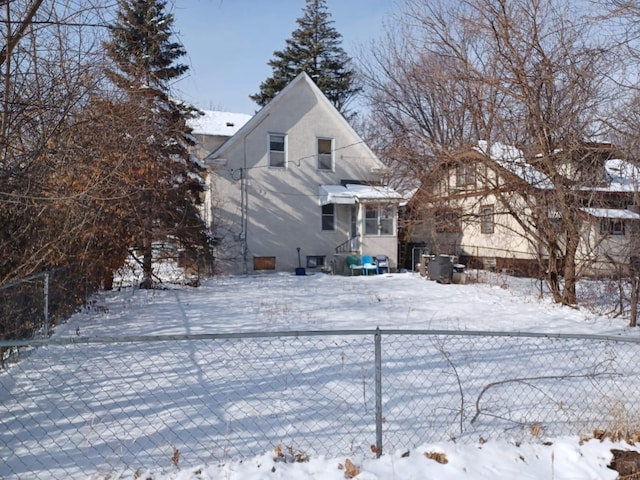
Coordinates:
(213, 122)
(354, 193)
(617, 213)
(623, 176)
(512, 159)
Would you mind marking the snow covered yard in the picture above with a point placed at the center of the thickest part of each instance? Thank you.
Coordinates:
(193, 407)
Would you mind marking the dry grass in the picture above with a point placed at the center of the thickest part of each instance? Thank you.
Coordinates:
(622, 425)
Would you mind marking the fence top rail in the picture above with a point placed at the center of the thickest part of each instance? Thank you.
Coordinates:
(30, 277)
(305, 333)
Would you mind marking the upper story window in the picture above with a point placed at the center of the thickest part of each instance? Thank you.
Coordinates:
(486, 219)
(325, 153)
(379, 219)
(612, 226)
(465, 174)
(277, 150)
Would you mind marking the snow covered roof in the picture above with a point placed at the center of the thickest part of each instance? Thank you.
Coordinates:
(617, 213)
(353, 193)
(512, 159)
(623, 176)
(213, 122)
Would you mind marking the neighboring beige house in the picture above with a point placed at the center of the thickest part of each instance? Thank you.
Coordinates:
(297, 176)
(469, 204)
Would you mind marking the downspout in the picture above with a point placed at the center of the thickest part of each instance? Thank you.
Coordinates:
(244, 200)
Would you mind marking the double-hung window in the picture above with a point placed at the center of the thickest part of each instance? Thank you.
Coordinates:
(612, 226)
(379, 219)
(486, 219)
(277, 150)
(328, 217)
(325, 153)
(465, 174)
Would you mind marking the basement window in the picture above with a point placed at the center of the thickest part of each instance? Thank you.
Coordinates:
(264, 263)
(315, 261)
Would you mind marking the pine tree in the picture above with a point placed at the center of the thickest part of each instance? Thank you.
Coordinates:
(313, 48)
(167, 183)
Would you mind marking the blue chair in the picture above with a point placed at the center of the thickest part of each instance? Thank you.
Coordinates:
(368, 264)
(354, 264)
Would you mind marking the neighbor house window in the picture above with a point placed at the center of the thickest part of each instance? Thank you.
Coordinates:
(325, 153)
(329, 217)
(486, 219)
(277, 150)
(379, 219)
(612, 226)
(465, 174)
(448, 221)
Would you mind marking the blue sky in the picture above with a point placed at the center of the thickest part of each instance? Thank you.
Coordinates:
(229, 43)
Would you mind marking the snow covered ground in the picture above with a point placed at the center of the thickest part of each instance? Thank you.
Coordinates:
(48, 428)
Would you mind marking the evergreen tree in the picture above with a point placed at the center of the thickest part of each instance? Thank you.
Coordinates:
(168, 182)
(313, 48)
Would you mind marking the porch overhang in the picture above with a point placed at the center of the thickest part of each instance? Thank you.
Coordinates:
(350, 194)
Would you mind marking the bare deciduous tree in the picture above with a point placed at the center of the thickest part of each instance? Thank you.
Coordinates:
(525, 73)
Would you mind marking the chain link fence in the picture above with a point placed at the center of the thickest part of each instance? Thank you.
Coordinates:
(109, 407)
(31, 307)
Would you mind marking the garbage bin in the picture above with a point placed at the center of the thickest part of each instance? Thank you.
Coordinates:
(440, 269)
(458, 276)
(383, 263)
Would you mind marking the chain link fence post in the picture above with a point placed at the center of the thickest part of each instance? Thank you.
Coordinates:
(378, 380)
(46, 305)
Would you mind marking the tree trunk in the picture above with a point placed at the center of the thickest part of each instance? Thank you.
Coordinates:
(569, 294)
(552, 277)
(107, 279)
(147, 263)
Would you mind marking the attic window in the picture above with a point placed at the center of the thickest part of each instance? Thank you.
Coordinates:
(277, 150)
(465, 175)
(325, 153)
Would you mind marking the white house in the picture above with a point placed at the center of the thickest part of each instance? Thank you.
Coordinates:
(296, 186)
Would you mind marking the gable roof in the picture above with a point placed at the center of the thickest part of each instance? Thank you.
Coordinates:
(217, 123)
(512, 159)
(265, 111)
(622, 176)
